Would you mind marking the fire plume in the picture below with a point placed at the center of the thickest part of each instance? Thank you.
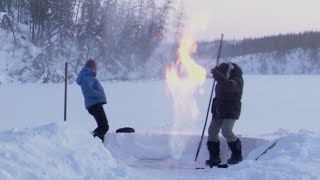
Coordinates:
(184, 79)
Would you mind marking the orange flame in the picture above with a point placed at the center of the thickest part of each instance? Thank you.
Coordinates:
(183, 80)
(185, 77)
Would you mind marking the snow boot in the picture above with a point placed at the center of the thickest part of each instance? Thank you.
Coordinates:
(101, 137)
(236, 154)
(214, 152)
(95, 133)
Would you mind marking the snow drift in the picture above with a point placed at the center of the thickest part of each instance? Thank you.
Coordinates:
(61, 151)
(54, 151)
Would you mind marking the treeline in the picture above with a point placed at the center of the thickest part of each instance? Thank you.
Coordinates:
(281, 43)
(115, 33)
(125, 37)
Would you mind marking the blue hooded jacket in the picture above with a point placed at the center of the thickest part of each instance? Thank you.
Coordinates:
(91, 88)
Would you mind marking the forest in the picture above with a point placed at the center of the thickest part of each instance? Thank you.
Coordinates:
(128, 38)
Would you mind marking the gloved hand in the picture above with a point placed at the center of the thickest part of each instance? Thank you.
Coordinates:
(217, 75)
(213, 70)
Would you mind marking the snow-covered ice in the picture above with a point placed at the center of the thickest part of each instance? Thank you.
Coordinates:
(35, 143)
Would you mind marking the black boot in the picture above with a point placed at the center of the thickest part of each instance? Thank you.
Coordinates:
(214, 152)
(236, 155)
(99, 135)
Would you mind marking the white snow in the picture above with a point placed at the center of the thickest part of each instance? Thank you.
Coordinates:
(35, 143)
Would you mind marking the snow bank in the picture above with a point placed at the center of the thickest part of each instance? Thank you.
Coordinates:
(295, 156)
(63, 151)
(55, 151)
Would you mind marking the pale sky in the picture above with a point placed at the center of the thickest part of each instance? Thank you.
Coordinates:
(255, 18)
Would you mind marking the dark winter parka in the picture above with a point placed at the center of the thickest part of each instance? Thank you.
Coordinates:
(228, 91)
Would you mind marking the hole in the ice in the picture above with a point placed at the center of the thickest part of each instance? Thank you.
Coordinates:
(154, 151)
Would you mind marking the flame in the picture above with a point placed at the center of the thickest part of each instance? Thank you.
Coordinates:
(185, 77)
(183, 80)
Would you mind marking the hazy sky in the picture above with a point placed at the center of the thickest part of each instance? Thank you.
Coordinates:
(255, 18)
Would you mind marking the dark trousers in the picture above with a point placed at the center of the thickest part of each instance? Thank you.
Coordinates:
(99, 115)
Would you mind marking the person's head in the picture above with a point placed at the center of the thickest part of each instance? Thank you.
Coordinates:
(230, 70)
(91, 64)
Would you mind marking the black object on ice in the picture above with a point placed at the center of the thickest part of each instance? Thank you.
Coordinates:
(125, 130)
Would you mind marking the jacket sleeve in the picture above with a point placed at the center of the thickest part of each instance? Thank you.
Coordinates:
(233, 84)
(88, 90)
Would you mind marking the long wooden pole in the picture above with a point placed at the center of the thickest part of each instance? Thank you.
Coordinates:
(65, 90)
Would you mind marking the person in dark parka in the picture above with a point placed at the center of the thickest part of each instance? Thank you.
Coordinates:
(226, 109)
(94, 97)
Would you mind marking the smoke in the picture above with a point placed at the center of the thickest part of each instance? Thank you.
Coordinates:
(186, 115)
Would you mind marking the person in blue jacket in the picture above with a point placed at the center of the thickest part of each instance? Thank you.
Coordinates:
(94, 97)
